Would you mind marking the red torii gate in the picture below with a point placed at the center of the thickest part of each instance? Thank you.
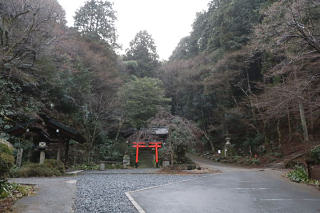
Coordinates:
(155, 145)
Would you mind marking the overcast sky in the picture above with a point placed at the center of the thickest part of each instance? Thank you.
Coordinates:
(166, 20)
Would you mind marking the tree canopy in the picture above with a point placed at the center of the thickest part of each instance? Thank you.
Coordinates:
(96, 19)
(143, 51)
(248, 70)
(141, 98)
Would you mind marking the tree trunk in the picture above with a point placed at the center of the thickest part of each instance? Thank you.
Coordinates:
(171, 154)
(279, 133)
(289, 126)
(59, 152)
(66, 155)
(303, 122)
(119, 129)
(311, 113)
(210, 141)
(212, 146)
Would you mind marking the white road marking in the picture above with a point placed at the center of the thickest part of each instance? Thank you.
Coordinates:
(134, 203)
(251, 188)
(74, 172)
(286, 199)
(71, 181)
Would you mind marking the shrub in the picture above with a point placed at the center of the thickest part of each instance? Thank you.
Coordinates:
(9, 189)
(48, 169)
(114, 166)
(90, 166)
(6, 160)
(255, 161)
(299, 174)
(315, 154)
(54, 164)
(5, 149)
(277, 154)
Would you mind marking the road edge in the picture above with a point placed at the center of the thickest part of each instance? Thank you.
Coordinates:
(134, 203)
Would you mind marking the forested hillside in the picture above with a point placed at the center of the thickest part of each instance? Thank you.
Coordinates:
(249, 70)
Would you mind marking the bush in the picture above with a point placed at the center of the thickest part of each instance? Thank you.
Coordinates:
(54, 164)
(48, 169)
(277, 154)
(255, 161)
(6, 160)
(5, 149)
(114, 166)
(90, 166)
(315, 154)
(299, 174)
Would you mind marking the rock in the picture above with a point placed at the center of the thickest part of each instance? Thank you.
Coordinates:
(165, 163)
(315, 172)
(126, 161)
(102, 166)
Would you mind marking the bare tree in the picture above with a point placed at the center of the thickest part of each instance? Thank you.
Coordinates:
(25, 27)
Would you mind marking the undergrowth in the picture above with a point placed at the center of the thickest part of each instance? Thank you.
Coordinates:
(48, 169)
(299, 174)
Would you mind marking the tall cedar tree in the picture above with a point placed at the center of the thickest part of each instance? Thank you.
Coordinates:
(143, 52)
(97, 19)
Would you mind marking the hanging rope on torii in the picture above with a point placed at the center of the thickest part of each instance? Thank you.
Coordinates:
(155, 145)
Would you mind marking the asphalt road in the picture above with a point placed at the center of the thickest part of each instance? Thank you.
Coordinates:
(53, 195)
(234, 190)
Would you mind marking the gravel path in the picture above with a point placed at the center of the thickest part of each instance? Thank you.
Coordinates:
(105, 191)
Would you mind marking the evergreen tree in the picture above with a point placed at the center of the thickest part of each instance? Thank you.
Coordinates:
(96, 19)
(143, 51)
(141, 99)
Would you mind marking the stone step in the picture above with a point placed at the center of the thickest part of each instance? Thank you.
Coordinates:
(146, 158)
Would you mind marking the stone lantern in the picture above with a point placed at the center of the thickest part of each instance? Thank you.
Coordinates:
(227, 146)
(42, 148)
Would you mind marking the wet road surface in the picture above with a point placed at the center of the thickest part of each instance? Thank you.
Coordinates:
(234, 190)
